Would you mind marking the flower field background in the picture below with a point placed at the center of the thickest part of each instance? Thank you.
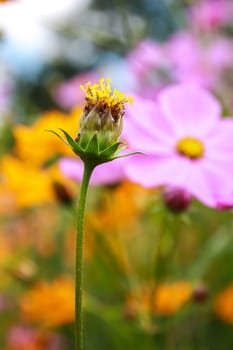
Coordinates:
(158, 250)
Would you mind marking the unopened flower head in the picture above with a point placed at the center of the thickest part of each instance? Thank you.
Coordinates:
(176, 199)
(100, 125)
(102, 113)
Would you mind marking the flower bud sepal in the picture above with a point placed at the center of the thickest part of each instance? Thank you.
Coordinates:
(92, 153)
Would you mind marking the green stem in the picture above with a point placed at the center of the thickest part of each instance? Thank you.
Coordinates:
(79, 258)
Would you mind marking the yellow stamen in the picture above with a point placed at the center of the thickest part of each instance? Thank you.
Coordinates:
(103, 97)
(190, 147)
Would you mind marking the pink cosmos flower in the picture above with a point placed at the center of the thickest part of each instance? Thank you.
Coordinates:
(151, 67)
(147, 55)
(211, 14)
(185, 57)
(21, 337)
(198, 62)
(186, 143)
(105, 174)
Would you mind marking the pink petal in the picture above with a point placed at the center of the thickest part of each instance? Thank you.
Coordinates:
(109, 173)
(219, 177)
(219, 142)
(191, 110)
(104, 174)
(145, 56)
(145, 129)
(152, 171)
(199, 185)
(184, 44)
(71, 168)
(224, 200)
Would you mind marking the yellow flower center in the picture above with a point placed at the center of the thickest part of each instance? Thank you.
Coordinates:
(102, 97)
(190, 147)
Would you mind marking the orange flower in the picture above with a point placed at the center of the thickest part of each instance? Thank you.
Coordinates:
(166, 299)
(7, 201)
(28, 347)
(224, 304)
(126, 201)
(36, 145)
(50, 304)
(170, 297)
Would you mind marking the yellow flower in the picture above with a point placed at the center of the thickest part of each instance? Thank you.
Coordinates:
(36, 145)
(49, 304)
(28, 185)
(224, 304)
(25, 185)
(26, 181)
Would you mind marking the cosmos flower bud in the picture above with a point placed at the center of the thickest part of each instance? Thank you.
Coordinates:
(100, 124)
(102, 115)
(176, 199)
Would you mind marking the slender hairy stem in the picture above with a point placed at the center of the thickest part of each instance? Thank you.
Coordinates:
(79, 258)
